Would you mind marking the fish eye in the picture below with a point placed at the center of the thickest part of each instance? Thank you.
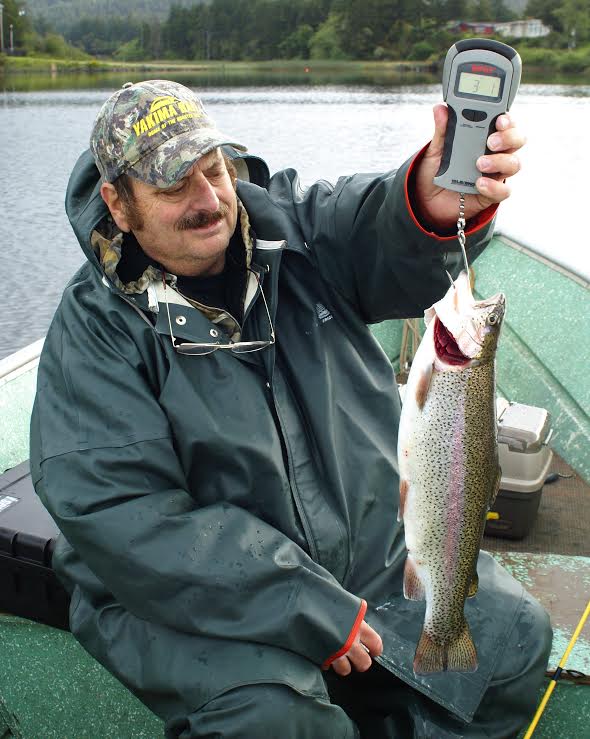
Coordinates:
(493, 319)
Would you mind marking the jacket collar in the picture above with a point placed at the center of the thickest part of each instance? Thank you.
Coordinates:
(190, 324)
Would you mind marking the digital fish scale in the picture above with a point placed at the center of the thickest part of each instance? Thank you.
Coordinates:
(480, 80)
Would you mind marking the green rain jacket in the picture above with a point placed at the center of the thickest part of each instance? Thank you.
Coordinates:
(224, 516)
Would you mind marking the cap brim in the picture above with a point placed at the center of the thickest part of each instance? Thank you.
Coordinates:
(169, 162)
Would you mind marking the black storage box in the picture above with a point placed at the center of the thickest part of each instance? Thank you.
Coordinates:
(517, 512)
(28, 585)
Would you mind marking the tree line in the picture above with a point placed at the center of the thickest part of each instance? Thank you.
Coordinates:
(289, 29)
(306, 29)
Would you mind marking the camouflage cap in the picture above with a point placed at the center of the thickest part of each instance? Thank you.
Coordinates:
(154, 131)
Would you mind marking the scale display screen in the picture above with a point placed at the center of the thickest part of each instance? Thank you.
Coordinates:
(479, 84)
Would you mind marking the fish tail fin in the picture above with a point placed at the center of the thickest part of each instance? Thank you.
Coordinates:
(430, 656)
(458, 655)
(462, 655)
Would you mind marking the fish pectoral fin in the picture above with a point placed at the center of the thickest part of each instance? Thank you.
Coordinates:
(457, 655)
(404, 486)
(413, 586)
(423, 386)
(473, 585)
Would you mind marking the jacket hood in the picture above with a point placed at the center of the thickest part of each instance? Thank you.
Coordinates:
(97, 234)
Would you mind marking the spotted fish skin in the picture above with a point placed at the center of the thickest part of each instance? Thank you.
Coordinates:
(449, 470)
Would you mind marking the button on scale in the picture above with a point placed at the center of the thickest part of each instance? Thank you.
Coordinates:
(474, 115)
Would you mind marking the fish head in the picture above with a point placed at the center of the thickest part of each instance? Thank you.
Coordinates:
(466, 331)
(488, 320)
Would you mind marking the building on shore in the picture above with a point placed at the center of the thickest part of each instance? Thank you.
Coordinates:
(526, 28)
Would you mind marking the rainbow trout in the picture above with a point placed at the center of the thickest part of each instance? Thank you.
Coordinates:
(449, 471)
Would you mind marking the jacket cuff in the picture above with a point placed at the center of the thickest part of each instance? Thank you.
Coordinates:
(351, 637)
(481, 220)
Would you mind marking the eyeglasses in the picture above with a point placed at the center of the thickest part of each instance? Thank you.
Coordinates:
(238, 347)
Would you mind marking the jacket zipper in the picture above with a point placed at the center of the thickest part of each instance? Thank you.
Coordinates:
(313, 550)
(293, 484)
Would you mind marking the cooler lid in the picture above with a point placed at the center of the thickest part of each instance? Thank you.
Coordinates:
(522, 427)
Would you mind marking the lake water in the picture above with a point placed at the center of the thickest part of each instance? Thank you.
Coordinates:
(322, 130)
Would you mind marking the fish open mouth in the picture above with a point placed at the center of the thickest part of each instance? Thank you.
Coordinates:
(446, 347)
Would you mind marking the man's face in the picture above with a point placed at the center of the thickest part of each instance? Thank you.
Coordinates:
(187, 227)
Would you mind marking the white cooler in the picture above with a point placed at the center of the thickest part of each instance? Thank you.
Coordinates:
(523, 435)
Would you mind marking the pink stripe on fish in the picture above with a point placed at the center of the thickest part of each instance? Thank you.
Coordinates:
(456, 491)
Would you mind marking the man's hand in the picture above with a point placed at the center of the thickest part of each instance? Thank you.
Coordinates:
(366, 645)
(439, 207)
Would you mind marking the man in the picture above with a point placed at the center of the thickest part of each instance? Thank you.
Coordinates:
(215, 431)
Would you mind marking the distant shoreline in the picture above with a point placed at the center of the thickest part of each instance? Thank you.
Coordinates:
(535, 70)
(16, 65)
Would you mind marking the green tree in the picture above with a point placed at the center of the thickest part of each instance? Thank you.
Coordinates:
(100, 37)
(15, 14)
(182, 33)
(455, 10)
(221, 30)
(312, 12)
(150, 40)
(421, 51)
(542, 9)
(297, 43)
(62, 14)
(275, 20)
(56, 46)
(482, 11)
(500, 12)
(132, 51)
(325, 43)
(574, 18)
(367, 24)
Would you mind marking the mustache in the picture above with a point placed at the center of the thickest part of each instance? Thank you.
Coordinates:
(202, 218)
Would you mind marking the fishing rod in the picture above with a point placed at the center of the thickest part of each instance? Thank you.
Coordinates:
(557, 674)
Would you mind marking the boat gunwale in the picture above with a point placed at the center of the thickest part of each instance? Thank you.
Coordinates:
(20, 361)
(552, 264)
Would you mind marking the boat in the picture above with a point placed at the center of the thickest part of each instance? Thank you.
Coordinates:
(50, 687)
